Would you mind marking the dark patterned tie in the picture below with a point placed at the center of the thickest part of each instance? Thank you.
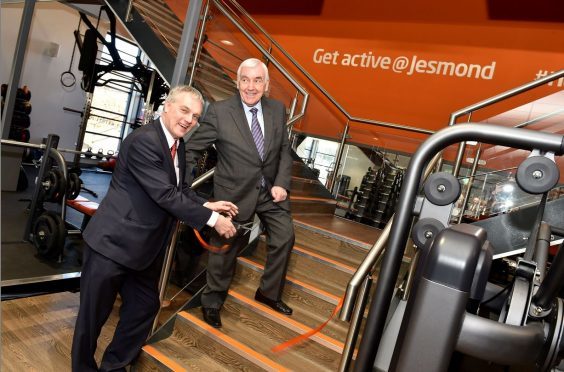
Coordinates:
(257, 133)
(257, 137)
(173, 149)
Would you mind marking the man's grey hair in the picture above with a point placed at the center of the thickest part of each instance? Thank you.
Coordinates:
(252, 62)
(174, 92)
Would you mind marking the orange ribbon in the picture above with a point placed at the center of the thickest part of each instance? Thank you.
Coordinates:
(209, 247)
(303, 337)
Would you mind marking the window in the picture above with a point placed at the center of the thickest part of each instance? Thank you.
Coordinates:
(111, 103)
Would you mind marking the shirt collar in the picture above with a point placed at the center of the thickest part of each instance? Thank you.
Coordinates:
(247, 107)
(169, 138)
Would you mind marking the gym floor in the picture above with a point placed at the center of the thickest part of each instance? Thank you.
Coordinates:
(23, 271)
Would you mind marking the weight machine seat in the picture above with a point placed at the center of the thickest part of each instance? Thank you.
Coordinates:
(83, 205)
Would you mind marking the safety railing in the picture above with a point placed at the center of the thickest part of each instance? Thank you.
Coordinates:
(490, 101)
(169, 254)
(354, 301)
(485, 103)
(246, 17)
(511, 137)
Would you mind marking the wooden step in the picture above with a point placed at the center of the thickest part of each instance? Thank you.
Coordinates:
(339, 228)
(258, 333)
(310, 308)
(329, 278)
(299, 169)
(300, 205)
(196, 346)
(307, 187)
(289, 322)
(348, 252)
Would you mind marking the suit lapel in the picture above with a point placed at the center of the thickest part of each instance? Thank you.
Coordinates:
(181, 160)
(240, 119)
(166, 149)
(268, 125)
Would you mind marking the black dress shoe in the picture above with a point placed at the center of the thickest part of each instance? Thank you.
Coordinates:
(211, 316)
(277, 305)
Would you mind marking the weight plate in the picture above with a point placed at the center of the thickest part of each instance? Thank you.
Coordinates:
(442, 188)
(424, 229)
(73, 186)
(49, 234)
(537, 175)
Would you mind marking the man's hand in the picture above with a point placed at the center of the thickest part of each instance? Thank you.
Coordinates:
(278, 194)
(224, 227)
(226, 207)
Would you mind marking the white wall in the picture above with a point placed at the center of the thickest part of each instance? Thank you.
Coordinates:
(52, 23)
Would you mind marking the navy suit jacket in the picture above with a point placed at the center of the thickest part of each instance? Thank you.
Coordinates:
(133, 223)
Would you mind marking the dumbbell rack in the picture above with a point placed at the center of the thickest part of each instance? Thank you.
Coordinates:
(20, 121)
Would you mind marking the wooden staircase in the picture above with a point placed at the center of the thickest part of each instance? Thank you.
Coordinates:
(327, 252)
(325, 256)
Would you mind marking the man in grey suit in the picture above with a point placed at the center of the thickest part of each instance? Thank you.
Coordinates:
(127, 237)
(253, 171)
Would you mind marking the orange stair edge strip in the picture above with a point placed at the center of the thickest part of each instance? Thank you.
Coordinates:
(295, 281)
(302, 327)
(163, 359)
(254, 356)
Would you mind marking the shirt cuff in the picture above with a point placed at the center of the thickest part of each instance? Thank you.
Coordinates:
(213, 219)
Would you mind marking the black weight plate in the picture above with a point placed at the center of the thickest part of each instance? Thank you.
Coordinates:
(73, 186)
(23, 106)
(52, 187)
(61, 233)
(528, 173)
(62, 186)
(20, 120)
(422, 228)
(46, 236)
(442, 188)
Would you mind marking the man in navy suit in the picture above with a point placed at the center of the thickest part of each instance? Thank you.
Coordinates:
(254, 165)
(127, 237)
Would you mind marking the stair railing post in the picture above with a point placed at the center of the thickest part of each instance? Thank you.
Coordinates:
(199, 43)
(334, 187)
(291, 111)
(165, 272)
(128, 17)
(186, 41)
(356, 320)
(470, 182)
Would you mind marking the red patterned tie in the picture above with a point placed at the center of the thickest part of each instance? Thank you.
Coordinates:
(173, 149)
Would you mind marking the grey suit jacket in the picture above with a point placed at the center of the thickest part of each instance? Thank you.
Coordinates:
(239, 166)
(133, 223)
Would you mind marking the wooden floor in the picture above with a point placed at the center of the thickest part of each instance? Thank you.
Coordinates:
(37, 332)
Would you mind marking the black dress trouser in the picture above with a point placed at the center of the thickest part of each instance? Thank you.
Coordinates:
(101, 281)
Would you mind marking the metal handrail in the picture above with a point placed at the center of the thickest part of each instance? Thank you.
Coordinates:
(317, 85)
(354, 301)
(169, 254)
(270, 57)
(490, 101)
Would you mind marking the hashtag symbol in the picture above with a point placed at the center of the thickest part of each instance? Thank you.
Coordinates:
(543, 73)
